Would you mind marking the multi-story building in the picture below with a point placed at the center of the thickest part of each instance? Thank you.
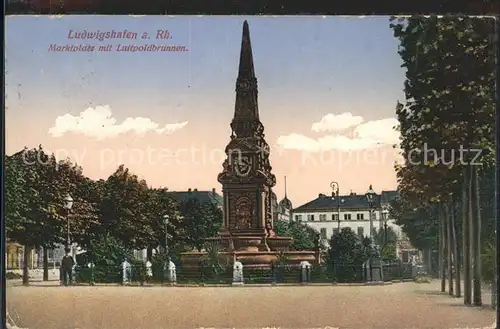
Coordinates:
(327, 214)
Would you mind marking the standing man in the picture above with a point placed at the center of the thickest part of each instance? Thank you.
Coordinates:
(67, 267)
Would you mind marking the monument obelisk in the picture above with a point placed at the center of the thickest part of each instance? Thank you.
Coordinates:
(246, 178)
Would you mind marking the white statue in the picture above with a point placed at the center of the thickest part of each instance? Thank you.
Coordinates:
(126, 269)
(238, 273)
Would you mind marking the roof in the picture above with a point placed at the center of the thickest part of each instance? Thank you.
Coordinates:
(286, 203)
(351, 201)
(202, 196)
(388, 196)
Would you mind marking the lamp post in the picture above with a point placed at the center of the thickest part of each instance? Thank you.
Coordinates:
(385, 213)
(166, 272)
(370, 197)
(68, 206)
(165, 223)
(336, 191)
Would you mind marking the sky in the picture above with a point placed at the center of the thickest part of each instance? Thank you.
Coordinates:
(328, 89)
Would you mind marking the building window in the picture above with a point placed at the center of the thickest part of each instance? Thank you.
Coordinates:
(374, 215)
(335, 217)
(360, 216)
(322, 217)
(323, 232)
(298, 218)
(347, 216)
(361, 231)
(310, 218)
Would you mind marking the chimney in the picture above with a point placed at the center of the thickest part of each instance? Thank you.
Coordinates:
(189, 190)
(321, 195)
(195, 190)
(213, 191)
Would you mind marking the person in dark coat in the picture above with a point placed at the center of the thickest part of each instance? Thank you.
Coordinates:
(67, 267)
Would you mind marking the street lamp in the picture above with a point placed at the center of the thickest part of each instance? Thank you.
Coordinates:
(385, 213)
(68, 206)
(336, 191)
(370, 197)
(165, 223)
(166, 272)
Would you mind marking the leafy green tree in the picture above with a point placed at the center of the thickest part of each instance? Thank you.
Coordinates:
(165, 219)
(449, 104)
(201, 221)
(124, 209)
(347, 253)
(382, 237)
(84, 224)
(35, 203)
(107, 254)
(302, 234)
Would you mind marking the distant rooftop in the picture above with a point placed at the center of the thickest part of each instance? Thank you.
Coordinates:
(202, 196)
(351, 201)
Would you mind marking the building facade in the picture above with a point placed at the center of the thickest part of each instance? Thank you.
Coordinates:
(327, 214)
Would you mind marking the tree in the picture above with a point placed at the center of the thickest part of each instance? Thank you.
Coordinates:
(35, 203)
(84, 224)
(201, 220)
(387, 240)
(382, 236)
(449, 105)
(302, 234)
(107, 254)
(161, 210)
(124, 209)
(347, 253)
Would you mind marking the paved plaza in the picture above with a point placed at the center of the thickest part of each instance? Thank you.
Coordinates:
(401, 305)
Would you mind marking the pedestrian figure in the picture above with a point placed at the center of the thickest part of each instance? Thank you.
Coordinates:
(67, 267)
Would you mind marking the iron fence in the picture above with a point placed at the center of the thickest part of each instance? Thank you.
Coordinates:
(220, 274)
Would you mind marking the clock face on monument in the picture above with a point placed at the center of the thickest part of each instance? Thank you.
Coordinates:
(242, 166)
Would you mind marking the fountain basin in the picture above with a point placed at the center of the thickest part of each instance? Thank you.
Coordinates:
(251, 258)
(247, 243)
(279, 243)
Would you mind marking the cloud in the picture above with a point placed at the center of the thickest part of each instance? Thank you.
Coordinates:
(367, 135)
(336, 122)
(99, 123)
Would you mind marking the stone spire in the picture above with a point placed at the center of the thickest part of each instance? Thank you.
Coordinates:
(246, 112)
(246, 60)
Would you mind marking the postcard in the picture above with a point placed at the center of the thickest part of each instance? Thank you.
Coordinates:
(250, 172)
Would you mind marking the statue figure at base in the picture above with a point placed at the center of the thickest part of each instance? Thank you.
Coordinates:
(269, 230)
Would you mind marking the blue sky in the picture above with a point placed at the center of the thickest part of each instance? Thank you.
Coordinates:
(348, 56)
(307, 67)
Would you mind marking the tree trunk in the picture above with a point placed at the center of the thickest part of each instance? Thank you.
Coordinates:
(494, 294)
(26, 259)
(449, 248)
(442, 246)
(458, 288)
(149, 253)
(476, 233)
(465, 236)
(45, 264)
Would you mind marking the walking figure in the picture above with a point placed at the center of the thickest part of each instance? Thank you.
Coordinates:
(67, 268)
